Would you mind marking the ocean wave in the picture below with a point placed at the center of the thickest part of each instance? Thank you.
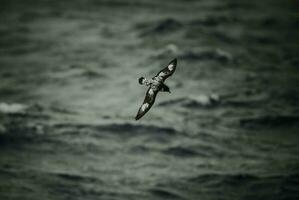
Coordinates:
(18, 132)
(236, 5)
(76, 177)
(194, 55)
(121, 129)
(163, 26)
(245, 101)
(193, 101)
(214, 20)
(183, 152)
(214, 179)
(215, 100)
(225, 178)
(170, 50)
(270, 121)
(203, 150)
(69, 135)
(231, 186)
(92, 74)
(207, 54)
(22, 110)
(12, 108)
(165, 193)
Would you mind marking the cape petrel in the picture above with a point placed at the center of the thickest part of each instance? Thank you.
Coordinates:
(156, 84)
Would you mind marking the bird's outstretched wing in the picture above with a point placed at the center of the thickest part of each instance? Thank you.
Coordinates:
(149, 100)
(167, 71)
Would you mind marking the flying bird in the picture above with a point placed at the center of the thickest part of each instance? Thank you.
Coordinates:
(156, 84)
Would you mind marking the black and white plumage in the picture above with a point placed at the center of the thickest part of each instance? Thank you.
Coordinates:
(156, 84)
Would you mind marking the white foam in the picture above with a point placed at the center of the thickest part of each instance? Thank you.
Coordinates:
(12, 108)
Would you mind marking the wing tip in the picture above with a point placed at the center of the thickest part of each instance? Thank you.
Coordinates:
(174, 61)
(138, 116)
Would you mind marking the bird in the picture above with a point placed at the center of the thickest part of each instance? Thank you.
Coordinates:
(156, 84)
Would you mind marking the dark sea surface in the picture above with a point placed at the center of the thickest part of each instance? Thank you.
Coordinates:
(69, 95)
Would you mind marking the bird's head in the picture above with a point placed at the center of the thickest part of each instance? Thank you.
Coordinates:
(141, 80)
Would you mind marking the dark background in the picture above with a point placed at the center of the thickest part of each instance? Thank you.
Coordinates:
(69, 95)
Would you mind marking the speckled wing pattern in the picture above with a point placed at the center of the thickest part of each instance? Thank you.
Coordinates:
(151, 93)
(149, 100)
(167, 71)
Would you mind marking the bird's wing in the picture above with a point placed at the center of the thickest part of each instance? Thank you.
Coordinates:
(149, 100)
(167, 71)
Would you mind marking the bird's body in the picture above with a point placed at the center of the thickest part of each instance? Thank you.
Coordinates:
(156, 84)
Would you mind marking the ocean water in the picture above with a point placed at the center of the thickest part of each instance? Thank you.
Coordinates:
(69, 94)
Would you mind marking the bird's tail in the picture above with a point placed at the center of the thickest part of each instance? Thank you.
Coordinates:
(165, 88)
